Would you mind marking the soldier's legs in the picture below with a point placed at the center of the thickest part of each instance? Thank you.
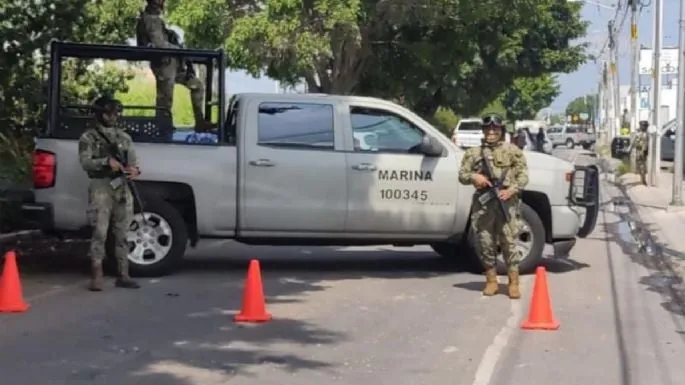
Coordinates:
(483, 224)
(165, 76)
(509, 233)
(641, 163)
(122, 215)
(512, 255)
(99, 214)
(197, 95)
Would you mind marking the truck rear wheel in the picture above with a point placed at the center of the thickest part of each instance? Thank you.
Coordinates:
(531, 243)
(156, 248)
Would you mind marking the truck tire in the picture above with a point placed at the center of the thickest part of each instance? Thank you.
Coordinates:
(534, 236)
(168, 246)
(570, 144)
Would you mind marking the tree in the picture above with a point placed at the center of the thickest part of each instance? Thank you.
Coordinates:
(492, 44)
(527, 96)
(557, 119)
(456, 54)
(26, 29)
(582, 104)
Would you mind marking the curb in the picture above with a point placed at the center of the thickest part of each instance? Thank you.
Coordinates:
(17, 235)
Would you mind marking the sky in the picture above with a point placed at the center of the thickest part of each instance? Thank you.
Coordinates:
(585, 80)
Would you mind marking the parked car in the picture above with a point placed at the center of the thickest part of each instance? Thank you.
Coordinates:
(571, 135)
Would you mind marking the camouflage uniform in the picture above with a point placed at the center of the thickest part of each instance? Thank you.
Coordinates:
(487, 224)
(640, 144)
(107, 206)
(151, 31)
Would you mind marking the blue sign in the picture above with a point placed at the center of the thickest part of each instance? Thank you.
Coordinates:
(644, 102)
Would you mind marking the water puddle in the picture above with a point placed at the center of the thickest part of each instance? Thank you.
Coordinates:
(624, 232)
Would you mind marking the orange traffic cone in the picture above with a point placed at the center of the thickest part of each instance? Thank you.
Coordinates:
(540, 316)
(254, 308)
(11, 297)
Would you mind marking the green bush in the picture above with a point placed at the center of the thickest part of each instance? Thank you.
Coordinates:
(624, 167)
(142, 91)
(16, 151)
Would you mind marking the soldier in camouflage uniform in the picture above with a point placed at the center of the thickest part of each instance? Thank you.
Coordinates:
(151, 31)
(640, 144)
(492, 232)
(110, 202)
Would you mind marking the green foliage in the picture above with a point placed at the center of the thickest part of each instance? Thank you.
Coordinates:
(558, 119)
(527, 96)
(445, 120)
(455, 54)
(582, 104)
(15, 157)
(26, 29)
(624, 167)
(473, 51)
(142, 91)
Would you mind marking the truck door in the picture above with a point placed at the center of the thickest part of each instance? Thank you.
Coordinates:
(393, 189)
(294, 180)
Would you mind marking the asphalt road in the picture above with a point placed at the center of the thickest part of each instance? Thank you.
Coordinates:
(354, 316)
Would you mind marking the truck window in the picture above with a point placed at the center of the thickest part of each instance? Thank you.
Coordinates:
(301, 125)
(386, 131)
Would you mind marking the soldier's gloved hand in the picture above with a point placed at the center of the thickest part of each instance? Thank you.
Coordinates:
(505, 194)
(132, 172)
(114, 165)
(480, 181)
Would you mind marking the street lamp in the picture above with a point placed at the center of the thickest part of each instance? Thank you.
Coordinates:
(593, 2)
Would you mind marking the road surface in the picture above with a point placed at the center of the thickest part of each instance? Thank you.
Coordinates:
(353, 316)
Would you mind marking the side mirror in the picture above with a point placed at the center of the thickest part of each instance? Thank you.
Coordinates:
(430, 146)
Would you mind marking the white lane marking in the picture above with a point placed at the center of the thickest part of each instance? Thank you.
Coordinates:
(486, 367)
(56, 290)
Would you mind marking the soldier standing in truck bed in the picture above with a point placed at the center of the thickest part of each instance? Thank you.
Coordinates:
(151, 31)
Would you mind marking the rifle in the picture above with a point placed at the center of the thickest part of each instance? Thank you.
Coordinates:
(493, 192)
(174, 39)
(121, 177)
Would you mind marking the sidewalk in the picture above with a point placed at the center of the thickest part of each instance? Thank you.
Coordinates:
(665, 223)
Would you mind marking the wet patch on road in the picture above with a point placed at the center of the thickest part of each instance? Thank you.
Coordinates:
(638, 241)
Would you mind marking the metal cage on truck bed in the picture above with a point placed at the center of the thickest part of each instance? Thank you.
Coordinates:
(69, 121)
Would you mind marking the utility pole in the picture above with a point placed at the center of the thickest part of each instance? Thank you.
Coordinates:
(613, 89)
(616, 84)
(655, 142)
(606, 102)
(678, 146)
(634, 73)
(599, 107)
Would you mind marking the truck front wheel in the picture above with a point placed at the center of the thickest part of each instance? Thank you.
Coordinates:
(157, 247)
(531, 242)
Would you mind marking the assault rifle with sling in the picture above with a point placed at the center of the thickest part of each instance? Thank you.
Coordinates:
(493, 192)
(120, 177)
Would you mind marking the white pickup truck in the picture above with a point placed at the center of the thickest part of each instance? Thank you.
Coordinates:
(287, 169)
